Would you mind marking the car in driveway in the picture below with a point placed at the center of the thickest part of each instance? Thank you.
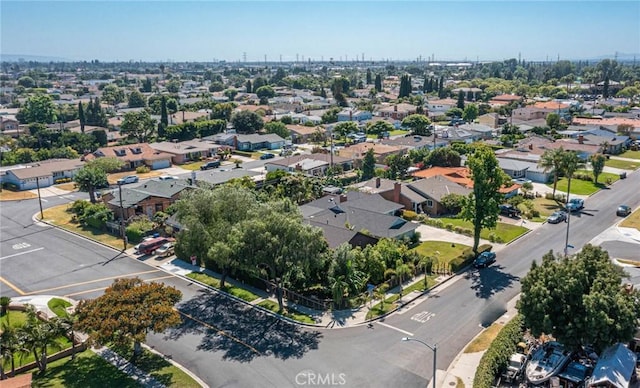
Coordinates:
(128, 179)
(267, 156)
(557, 217)
(575, 204)
(623, 210)
(209, 165)
(521, 181)
(509, 210)
(484, 260)
(165, 250)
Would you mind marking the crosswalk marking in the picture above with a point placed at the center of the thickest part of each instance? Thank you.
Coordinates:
(423, 316)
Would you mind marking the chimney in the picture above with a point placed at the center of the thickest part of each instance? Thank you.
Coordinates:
(343, 198)
(183, 116)
(377, 182)
(581, 139)
(298, 167)
(395, 108)
(397, 187)
(531, 146)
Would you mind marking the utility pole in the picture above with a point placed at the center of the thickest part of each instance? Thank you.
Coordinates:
(122, 232)
(39, 198)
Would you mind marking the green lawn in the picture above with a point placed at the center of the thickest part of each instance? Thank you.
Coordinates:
(545, 207)
(622, 164)
(632, 220)
(505, 232)
(193, 166)
(88, 370)
(61, 343)
(444, 251)
(581, 187)
(630, 154)
(378, 309)
(215, 283)
(159, 368)
(288, 312)
(15, 318)
(59, 306)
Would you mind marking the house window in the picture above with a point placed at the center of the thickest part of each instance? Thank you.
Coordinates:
(57, 174)
(429, 203)
(158, 207)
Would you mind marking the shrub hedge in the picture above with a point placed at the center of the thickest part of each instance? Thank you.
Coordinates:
(497, 356)
(142, 169)
(409, 215)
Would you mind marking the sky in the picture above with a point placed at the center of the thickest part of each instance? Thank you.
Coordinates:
(319, 30)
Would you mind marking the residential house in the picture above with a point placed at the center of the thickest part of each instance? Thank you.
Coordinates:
(309, 164)
(351, 114)
(559, 107)
(462, 176)
(255, 142)
(42, 174)
(457, 134)
(440, 106)
(188, 150)
(520, 169)
(490, 119)
(531, 113)
(484, 132)
(9, 126)
(611, 144)
(415, 142)
(380, 151)
(538, 145)
(397, 124)
(347, 218)
(186, 117)
(302, 133)
(470, 94)
(504, 99)
(255, 108)
(608, 121)
(148, 199)
(134, 156)
(616, 368)
(397, 111)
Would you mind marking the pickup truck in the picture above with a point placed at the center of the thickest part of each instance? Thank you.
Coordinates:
(575, 204)
(509, 210)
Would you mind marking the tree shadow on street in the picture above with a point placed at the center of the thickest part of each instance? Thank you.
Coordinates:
(489, 281)
(241, 331)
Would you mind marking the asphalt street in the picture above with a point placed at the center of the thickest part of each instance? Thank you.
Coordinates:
(229, 344)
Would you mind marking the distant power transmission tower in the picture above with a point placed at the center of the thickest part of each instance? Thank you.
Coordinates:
(244, 57)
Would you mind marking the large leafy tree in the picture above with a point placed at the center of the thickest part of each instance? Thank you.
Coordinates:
(444, 157)
(579, 300)
(481, 205)
(247, 122)
(379, 127)
(289, 251)
(397, 166)
(597, 165)
(128, 310)
(345, 279)
(277, 127)
(470, 112)
(94, 175)
(344, 128)
(38, 109)
(551, 160)
(112, 94)
(138, 126)
(137, 100)
(418, 124)
(212, 220)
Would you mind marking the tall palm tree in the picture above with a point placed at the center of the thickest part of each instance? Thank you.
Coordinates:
(551, 160)
(9, 347)
(570, 163)
(37, 335)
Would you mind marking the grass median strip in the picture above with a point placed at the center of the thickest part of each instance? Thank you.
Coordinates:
(59, 306)
(215, 283)
(288, 312)
(482, 341)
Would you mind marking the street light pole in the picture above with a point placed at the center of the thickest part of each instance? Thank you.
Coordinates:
(39, 198)
(435, 354)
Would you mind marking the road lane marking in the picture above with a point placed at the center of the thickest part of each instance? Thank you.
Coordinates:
(423, 317)
(86, 292)
(22, 253)
(395, 328)
(218, 331)
(20, 245)
(12, 286)
(93, 281)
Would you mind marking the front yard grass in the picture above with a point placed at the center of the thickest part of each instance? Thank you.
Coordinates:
(545, 207)
(10, 195)
(192, 166)
(15, 318)
(157, 367)
(378, 309)
(88, 370)
(482, 341)
(581, 187)
(69, 186)
(59, 216)
(630, 154)
(215, 283)
(632, 220)
(288, 312)
(444, 251)
(505, 232)
(622, 164)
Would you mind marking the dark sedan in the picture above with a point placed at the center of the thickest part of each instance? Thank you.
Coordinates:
(484, 260)
(623, 211)
(557, 217)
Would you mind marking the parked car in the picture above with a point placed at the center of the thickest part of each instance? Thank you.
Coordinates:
(210, 165)
(484, 260)
(557, 217)
(267, 156)
(515, 367)
(149, 247)
(144, 240)
(509, 210)
(456, 121)
(167, 177)
(128, 179)
(521, 181)
(623, 211)
(165, 250)
(575, 204)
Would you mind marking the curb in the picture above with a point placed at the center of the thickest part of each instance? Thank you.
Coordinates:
(177, 365)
